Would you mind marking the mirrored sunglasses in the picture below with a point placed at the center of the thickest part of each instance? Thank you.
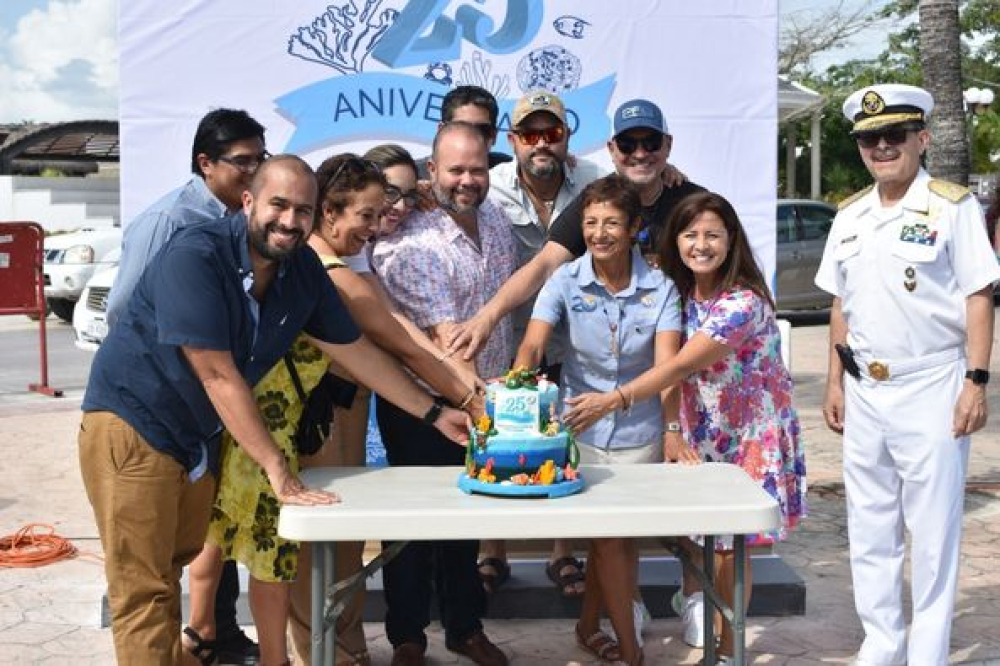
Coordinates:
(552, 135)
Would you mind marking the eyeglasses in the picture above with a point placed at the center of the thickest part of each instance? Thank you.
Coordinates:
(893, 137)
(629, 144)
(245, 163)
(552, 135)
(394, 194)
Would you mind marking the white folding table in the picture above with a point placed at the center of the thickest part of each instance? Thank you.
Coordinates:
(424, 503)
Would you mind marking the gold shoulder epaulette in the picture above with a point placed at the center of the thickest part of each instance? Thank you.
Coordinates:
(948, 190)
(854, 197)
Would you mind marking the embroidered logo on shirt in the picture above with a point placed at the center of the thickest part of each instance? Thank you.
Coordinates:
(583, 304)
(918, 233)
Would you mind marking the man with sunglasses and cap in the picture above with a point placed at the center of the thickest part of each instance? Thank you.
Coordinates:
(911, 326)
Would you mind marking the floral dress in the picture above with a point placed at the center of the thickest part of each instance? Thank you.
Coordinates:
(245, 514)
(739, 410)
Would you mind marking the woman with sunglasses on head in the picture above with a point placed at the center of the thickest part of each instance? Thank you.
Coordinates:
(352, 203)
(736, 394)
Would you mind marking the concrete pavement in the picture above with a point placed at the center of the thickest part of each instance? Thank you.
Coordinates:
(51, 615)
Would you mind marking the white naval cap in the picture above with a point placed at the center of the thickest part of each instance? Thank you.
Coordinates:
(886, 104)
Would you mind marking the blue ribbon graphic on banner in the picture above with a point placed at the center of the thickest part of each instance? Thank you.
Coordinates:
(383, 105)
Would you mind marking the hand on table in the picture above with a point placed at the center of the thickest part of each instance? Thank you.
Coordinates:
(676, 450)
(289, 489)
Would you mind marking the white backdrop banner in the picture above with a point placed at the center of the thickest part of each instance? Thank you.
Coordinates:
(325, 78)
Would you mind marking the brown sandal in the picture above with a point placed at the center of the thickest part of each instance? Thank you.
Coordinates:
(599, 644)
(566, 582)
(202, 649)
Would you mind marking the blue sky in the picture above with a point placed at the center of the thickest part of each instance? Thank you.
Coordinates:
(59, 58)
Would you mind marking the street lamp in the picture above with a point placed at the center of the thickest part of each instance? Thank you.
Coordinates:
(977, 101)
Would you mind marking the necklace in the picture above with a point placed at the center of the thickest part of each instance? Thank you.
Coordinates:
(538, 199)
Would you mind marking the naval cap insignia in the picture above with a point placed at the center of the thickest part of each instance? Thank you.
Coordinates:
(872, 103)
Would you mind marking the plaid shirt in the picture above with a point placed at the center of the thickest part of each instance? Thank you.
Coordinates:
(434, 273)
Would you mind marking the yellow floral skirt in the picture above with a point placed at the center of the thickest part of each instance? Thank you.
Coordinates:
(245, 514)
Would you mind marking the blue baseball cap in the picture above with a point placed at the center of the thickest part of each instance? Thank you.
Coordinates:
(639, 113)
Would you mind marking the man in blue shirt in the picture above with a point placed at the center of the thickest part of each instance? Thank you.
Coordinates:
(228, 147)
(215, 309)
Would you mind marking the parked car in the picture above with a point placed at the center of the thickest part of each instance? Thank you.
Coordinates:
(802, 226)
(71, 260)
(90, 317)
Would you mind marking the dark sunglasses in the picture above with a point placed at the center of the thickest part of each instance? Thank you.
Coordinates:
(552, 135)
(394, 194)
(629, 144)
(245, 163)
(893, 137)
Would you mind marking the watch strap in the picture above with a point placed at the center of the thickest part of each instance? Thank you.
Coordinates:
(432, 415)
(979, 376)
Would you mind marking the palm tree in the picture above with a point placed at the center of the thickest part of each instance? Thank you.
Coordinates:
(941, 62)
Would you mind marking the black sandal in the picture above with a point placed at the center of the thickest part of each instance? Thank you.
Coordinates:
(493, 581)
(566, 582)
(203, 650)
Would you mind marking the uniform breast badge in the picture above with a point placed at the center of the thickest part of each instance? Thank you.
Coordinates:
(910, 282)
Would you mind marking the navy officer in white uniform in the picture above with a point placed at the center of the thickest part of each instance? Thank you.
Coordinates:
(911, 328)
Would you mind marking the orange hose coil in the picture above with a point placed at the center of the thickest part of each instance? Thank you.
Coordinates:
(29, 548)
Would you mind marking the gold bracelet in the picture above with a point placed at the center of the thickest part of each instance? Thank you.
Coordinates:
(624, 401)
(467, 399)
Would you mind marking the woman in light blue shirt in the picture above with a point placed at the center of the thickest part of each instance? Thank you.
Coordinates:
(619, 318)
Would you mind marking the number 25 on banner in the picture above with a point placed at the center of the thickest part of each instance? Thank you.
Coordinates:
(402, 45)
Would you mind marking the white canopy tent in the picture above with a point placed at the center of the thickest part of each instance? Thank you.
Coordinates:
(796, 103)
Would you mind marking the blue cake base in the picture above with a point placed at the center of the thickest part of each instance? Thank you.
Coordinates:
(472, 486)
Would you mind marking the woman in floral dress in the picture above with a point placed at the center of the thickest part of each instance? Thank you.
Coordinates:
(736, 393)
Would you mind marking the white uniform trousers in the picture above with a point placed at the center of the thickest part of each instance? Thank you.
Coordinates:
(903, 467)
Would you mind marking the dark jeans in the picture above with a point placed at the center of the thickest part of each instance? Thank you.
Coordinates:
(225, 601)
(447, 567)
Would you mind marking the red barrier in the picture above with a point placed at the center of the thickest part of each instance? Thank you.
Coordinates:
(23, 289)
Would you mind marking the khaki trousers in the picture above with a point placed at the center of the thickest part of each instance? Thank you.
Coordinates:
(152, 521)
(344, 447)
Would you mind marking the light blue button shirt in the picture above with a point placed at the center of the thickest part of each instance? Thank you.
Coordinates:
(597, 325)
(150, 231)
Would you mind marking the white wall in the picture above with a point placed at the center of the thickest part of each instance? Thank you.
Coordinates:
(60, 204)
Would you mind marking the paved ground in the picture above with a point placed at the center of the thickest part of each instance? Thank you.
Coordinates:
(51, 615)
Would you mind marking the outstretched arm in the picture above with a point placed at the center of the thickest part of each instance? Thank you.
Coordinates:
(236, 407)
(698, 353)
(472, 334)
(378, 371)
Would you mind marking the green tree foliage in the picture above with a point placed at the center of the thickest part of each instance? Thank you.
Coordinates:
(843, 171)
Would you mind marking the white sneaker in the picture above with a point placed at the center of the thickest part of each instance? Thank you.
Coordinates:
(691, 610)
(640, 616)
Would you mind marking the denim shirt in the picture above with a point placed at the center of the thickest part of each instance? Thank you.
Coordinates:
(610, 341)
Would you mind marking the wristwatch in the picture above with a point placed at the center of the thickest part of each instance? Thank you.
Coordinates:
(978, 376)
(433, 413)
(672, 426)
